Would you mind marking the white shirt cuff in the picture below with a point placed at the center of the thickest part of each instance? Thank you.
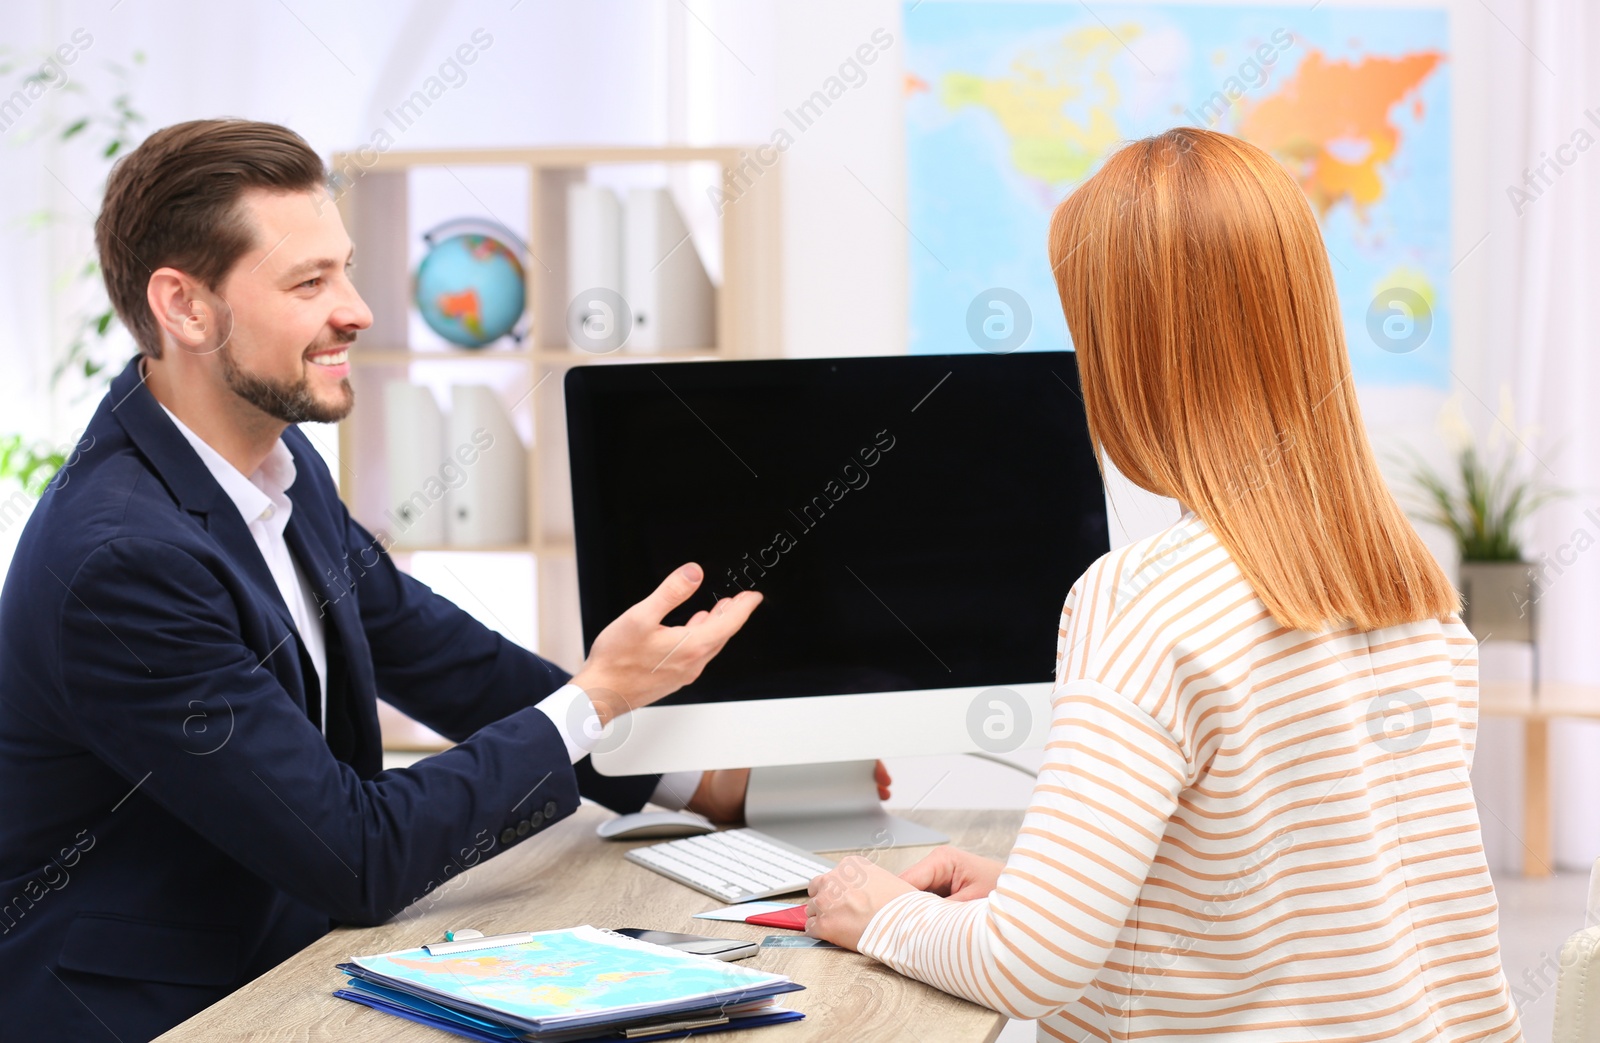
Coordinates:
(676, 789)
(570, 710)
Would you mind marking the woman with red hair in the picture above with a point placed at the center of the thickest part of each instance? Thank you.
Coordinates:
(1254, 820)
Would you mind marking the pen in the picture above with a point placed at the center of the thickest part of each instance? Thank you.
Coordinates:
(466, 943)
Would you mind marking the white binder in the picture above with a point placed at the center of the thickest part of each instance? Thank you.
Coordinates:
(414, 511)
(594, 255)
(490, 508)
(673, 301)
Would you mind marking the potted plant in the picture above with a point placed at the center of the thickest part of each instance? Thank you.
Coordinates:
(1482, 500)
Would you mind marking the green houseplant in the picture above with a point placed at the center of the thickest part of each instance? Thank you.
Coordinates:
(101, 130)
(1483, 500)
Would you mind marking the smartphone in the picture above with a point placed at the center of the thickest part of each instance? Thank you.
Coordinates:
(716, 948)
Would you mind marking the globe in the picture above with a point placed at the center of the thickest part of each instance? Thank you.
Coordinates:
(469, 289)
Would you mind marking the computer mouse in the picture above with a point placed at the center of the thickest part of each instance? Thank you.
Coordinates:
(652, 825)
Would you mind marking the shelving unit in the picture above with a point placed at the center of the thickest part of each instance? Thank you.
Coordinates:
(374, 203)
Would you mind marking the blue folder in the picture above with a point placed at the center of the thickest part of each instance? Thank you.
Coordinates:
(564, 985)
(425, 1012)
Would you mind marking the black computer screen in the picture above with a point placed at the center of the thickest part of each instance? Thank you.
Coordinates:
(912, 521)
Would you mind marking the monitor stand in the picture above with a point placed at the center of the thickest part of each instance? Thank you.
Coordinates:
(828, 807)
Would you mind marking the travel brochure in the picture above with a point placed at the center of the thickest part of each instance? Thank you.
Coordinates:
(575, 984)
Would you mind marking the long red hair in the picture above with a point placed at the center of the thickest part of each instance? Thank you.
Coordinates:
(1196, 286)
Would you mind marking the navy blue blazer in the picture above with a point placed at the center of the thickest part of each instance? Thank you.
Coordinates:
(172, 822)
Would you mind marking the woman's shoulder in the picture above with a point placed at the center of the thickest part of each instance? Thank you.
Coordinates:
(1140, 602)
(1144, 572)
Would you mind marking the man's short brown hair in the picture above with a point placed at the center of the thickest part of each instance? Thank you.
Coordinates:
(174, 202)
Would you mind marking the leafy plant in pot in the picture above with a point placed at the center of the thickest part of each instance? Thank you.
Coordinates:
(1483, 500)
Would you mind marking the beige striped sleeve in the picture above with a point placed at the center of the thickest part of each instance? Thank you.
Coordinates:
(1463, 651)
(1110, 782)
(1067, 630)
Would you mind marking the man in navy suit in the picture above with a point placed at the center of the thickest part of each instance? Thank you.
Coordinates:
(194, 633)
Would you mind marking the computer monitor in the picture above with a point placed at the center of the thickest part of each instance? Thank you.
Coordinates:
(914, 523)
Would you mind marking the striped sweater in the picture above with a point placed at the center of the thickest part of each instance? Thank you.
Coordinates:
(1240, 830)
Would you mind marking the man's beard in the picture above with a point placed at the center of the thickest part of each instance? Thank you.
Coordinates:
(289, 401)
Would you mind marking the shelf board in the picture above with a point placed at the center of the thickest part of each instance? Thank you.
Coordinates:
(543, 157)
(574, 357)
(385, 357)
(402, 734)
(559, 547)
(1554, 699)
(545, 356)
(443, 548)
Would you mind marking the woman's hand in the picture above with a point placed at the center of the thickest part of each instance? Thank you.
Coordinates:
(846, 897)
(952, 873)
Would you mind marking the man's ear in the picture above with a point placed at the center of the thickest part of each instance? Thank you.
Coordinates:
(182, 311)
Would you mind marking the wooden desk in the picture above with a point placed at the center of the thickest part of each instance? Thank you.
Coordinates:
(569, 876)
(1556, 699)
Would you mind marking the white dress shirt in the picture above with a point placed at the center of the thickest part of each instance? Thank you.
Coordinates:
(263, 502)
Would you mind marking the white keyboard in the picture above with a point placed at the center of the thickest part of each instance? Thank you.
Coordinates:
(735, 865)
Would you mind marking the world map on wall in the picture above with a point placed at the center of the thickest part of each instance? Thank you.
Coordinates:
(1010, 106)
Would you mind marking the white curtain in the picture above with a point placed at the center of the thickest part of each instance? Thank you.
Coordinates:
(1544, 165)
